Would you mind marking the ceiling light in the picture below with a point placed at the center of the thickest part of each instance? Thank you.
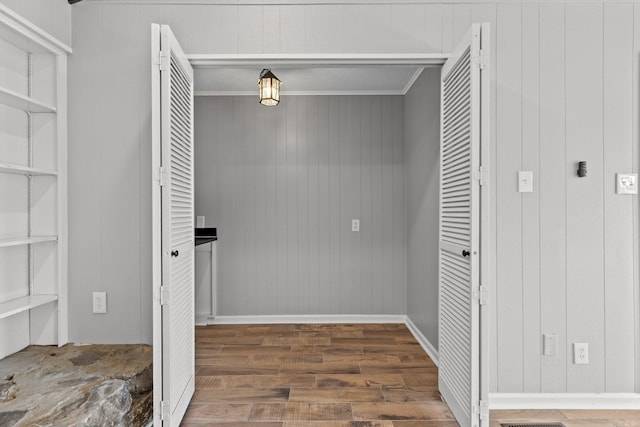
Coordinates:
(269, 88)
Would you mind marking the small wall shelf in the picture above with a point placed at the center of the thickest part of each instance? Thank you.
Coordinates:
(24, 170)
(27, 240)
(21, 102)
(19, 305)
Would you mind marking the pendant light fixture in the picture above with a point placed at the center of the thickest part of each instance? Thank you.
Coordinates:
(269, 88)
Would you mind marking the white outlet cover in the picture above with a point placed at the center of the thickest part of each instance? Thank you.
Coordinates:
(627, 183)
(100, 302)
(581, 353)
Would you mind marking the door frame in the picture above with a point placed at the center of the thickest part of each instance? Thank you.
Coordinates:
(156, 215)
(203, 61)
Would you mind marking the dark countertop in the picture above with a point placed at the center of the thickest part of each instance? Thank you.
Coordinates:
(205, 235)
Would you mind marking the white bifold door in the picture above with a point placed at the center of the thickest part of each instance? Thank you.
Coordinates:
(173, 228)
(463, 190)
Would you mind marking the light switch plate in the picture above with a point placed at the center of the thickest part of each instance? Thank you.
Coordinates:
(550, 344)
(525, 182)
(200, 222)
(627, 183)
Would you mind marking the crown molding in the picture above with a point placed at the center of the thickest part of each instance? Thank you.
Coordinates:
(306, 60)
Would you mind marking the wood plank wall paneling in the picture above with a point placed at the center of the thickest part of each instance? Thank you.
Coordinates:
(565, 258)
(509, 214)
(530, 206)
(585, 208)
(553, 245)
(618, 129)
(635, 149)
(330, 170)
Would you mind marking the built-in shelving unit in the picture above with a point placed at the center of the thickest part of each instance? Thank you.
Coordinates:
(20, 305)
(27, 241)
(33, 238)
(24, 170)
(24, 103)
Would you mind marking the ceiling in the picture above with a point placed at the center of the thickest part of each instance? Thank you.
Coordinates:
(383, 79)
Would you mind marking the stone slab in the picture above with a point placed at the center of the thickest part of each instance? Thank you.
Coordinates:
(86, 385)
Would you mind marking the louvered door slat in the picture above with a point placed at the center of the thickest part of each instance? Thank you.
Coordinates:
(178, 241)
(459, 232)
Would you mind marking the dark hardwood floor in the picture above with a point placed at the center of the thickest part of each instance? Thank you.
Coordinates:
(344, 375)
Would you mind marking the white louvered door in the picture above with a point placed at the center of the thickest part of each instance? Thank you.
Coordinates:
(462, 132)
(177, 241)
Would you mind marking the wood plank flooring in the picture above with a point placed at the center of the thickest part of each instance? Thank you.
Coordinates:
(365, 375)
(362, 375)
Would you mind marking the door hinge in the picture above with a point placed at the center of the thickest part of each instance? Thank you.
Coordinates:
(164, 295)
(481, 60)
(164, 410)
(163, 176)
(481, 409)
(481, 294)
(162, 60)
(482, 175)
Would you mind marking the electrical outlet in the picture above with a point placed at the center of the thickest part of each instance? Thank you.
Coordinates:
(100, 302)
(355, 225)
(580, 353)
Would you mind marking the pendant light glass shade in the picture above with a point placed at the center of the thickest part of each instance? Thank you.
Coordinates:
(269, 87)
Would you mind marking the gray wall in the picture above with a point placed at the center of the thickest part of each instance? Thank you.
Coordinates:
(422, 166)
(564, 259)
(52, 16)
(282, 186)
(110, 174)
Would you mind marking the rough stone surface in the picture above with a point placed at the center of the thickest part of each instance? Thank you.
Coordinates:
(92, 385)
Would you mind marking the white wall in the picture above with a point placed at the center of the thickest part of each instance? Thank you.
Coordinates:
(282, 185)
(567, 254)
(565, 85)
(52, 16)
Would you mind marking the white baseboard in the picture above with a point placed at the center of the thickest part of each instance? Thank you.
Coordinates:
(314, 318)
(202, 319)
(610, 401)
(422, 340)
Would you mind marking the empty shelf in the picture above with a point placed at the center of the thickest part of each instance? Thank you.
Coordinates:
(19, 305)
(21, 102)
(24, 170)
(27, 240)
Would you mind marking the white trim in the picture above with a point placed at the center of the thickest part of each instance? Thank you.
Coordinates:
(303, 93)
(313, 318)
(610, 401)
(305, 60)
(202, 319)
(422, 340)
(323, 2)
(156, 226)
(339, 60)
(412, 80)
(32, 32)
